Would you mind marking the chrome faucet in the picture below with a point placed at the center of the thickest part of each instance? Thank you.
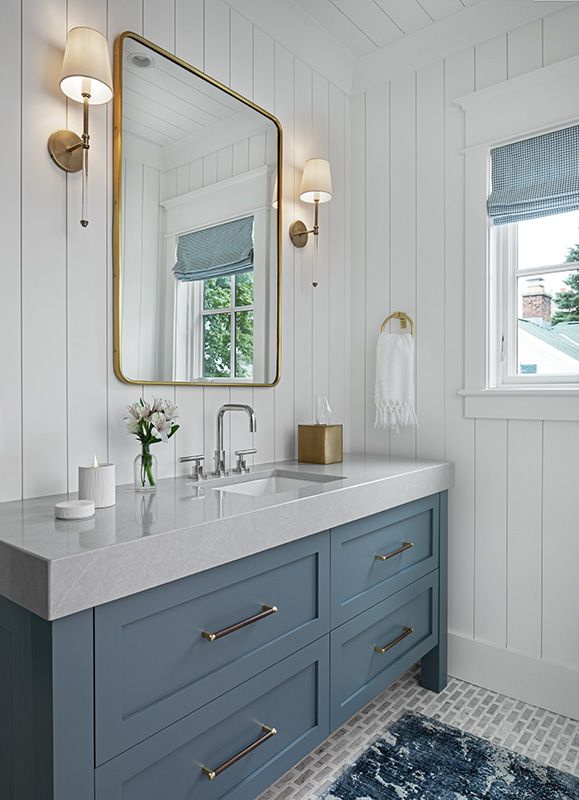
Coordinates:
(220, 470)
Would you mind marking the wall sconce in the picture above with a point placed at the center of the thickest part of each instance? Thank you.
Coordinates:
(316, 188)
(86, 78)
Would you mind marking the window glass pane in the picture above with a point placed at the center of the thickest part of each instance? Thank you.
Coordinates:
(217, 292)
(244, 289)
(244, 344)
(548, 324)
(547, 241)
(217, 345)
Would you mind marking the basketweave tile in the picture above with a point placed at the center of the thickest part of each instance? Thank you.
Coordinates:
(547, 737)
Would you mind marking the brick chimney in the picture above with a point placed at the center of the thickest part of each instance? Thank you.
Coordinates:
(537, 303)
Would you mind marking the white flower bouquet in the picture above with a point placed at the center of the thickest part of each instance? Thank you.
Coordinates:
(151, 423)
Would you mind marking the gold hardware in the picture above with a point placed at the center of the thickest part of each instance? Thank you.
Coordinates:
(117, 207)
(65, 150)
(405, 546)
(299, 232)
(211, 774)
(405, 632)
(266, 611)
(403, 318)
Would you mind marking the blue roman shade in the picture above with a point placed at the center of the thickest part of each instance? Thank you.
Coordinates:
(535, 177)
(225, 249)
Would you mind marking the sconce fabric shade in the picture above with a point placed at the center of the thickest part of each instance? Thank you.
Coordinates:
(316, 181)
(86, 68)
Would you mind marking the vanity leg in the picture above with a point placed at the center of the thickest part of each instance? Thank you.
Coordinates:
(433, 674)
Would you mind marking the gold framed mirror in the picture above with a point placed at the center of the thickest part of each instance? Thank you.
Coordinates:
(197, 187)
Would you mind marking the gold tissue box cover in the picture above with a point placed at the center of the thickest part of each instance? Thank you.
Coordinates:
(320, 444)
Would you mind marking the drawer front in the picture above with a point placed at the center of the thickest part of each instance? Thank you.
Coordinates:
(291, 697)
(375, 557)
(153, 665)
(404, 627)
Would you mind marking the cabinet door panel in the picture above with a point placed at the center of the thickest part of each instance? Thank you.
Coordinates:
(291, 697)
(406, 541)
(405, 627)
(153, 663)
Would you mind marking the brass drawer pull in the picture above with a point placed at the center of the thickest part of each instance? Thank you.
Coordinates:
(405, 546)
(266, 611)
(405, 632)
(211, 774)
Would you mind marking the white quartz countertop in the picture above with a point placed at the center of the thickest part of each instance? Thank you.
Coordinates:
(55, 568)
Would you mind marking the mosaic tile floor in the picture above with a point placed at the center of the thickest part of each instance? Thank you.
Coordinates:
(541, 735)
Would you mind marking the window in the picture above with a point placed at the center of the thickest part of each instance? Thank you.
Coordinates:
(227, 326)
(533, 209)
(215, 269)
(538, 299)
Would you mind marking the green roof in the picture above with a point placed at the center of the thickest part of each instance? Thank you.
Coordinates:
(558, 337)
(569, 330)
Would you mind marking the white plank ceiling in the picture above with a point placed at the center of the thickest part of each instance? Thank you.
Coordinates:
(366, 25)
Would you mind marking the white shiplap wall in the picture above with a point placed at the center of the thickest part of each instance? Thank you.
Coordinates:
(514, 543)
(60, 402)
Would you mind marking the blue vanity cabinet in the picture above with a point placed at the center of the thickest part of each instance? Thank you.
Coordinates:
(286, 707)
(147, 696)
(370, 651)
(155, 661)
(378, 555)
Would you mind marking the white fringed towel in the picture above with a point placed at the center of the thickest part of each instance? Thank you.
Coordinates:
(394, 391)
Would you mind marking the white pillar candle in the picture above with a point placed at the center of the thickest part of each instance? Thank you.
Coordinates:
(97, 483)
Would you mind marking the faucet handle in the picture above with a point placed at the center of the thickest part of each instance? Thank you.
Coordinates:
(241, 464)
(197, 473)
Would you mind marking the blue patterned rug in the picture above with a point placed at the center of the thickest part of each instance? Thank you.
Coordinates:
(422, 759)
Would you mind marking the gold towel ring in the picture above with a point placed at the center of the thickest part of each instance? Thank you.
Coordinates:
(404, 319)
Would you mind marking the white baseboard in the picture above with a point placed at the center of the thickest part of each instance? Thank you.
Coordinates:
(528, 679)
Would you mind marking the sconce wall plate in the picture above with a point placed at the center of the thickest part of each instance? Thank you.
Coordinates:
(299, 233)
(60, 144)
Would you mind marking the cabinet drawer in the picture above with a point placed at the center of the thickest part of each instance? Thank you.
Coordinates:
(405, 627)
(153, 665)
(291, 697)
(374, 557)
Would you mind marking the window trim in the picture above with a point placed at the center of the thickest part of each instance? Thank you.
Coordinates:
(525, 106)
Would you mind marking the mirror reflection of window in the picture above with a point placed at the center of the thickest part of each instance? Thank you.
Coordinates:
(199, 246)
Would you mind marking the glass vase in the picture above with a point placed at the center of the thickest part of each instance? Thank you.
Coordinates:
(145, 471)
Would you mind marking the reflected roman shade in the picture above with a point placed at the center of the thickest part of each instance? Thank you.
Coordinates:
(225, 249)
(535, 177)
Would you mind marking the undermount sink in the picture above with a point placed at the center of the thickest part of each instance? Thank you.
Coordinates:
(276, 483)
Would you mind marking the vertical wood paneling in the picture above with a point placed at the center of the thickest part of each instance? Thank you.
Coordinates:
(560, 544)
(377, 276)
(359, 386)
(321, 294)
(525, 49)
(430, 308)
(560, 35)
(403, 218)
(490, 580)
(189, 31)
(303, 309)
(338, 322)
(459, 432)
(284, 438)
(10, 320)
(525, 530)
(44, 375)
(86, 294)
(491, 62)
